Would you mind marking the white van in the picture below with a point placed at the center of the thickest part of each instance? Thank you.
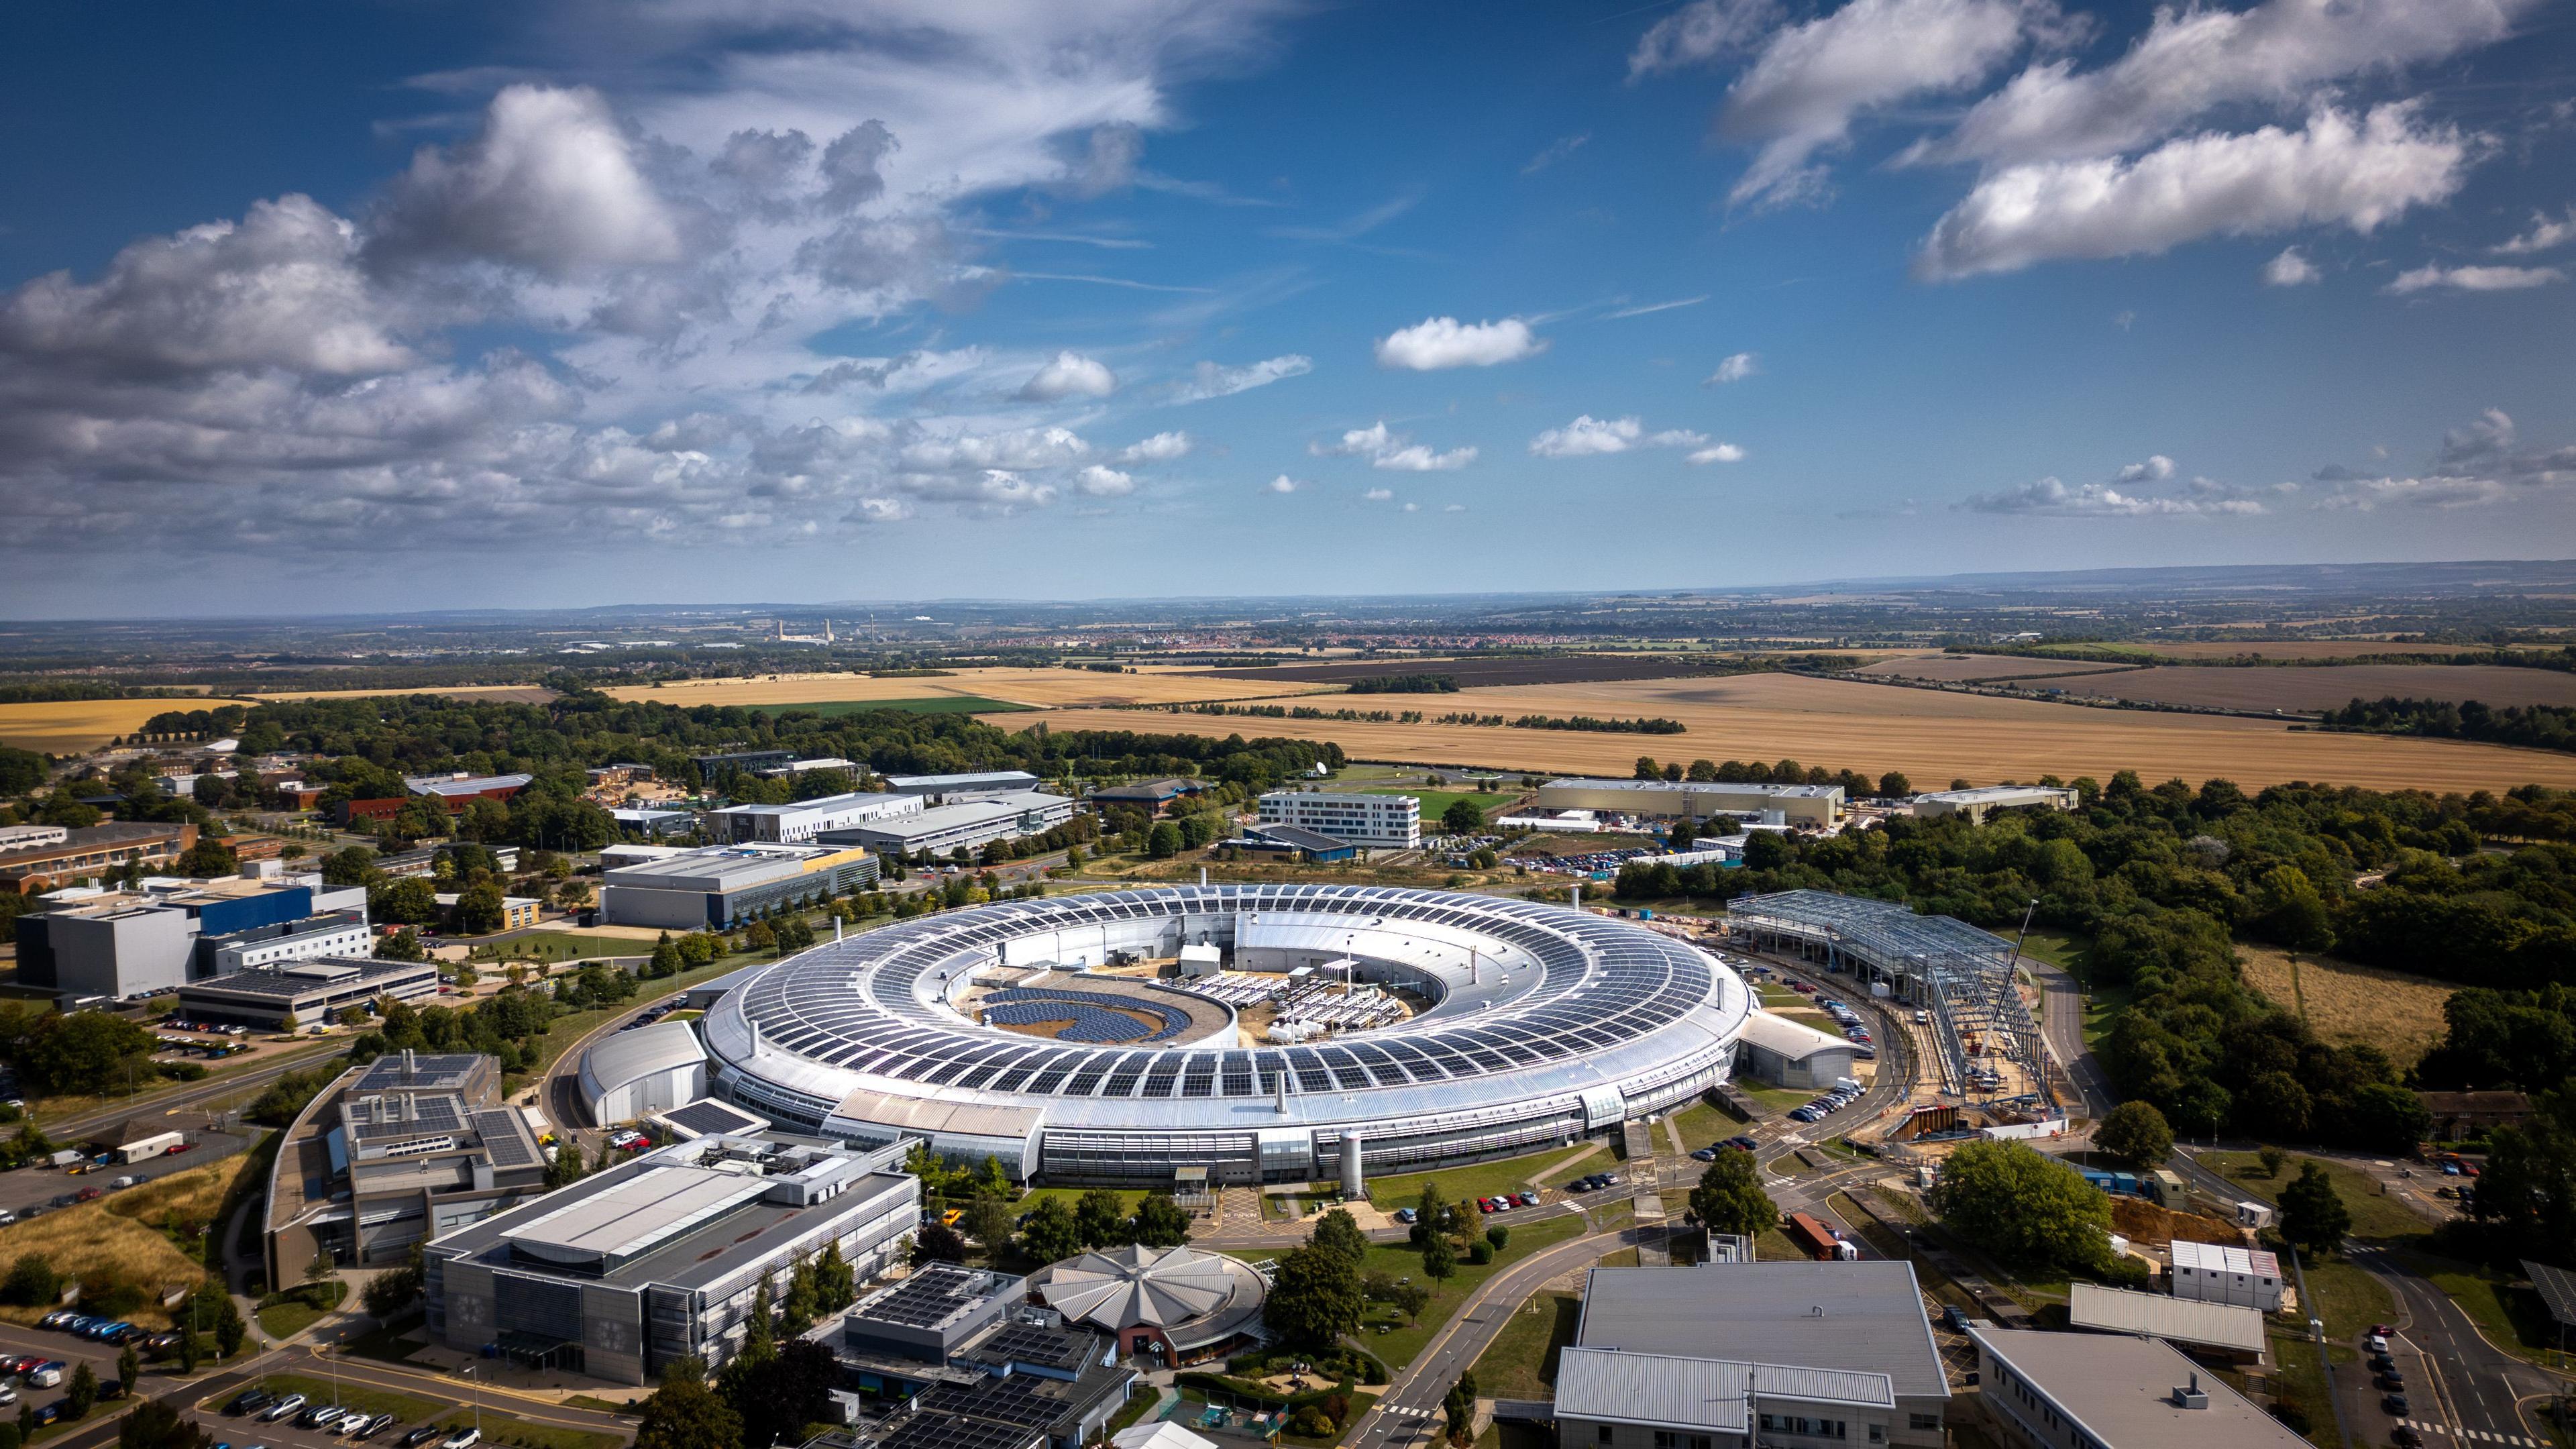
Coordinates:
(1847, 1084)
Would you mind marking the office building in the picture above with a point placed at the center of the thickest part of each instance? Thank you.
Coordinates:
(1150, 797)
(965, 1346)
(651, 823)
(800, 822)
(395, 1152)
(717, 887)
(1374, 822)
(971, 785)
(658, 1259)
(1985, 800)
(1814, 807)
(713, 765)
(1830, 1319)
(794, 768)
(968, 824)
(2220, 1273)
(1185, 1305)
(1619, 1398)
(309, 991)
(2103, 1391)
(167, 932)
(1312, 846)
(518, 913)
(87, 852)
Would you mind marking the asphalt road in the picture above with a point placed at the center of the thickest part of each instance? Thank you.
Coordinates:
(2061, 1026)
(183, 1095)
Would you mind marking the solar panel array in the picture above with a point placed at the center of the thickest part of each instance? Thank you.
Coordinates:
(949, 1431)
(374, 1119)
(859, 1005)
(2557, 1288)
(503, 1142)
(1095, 1018)
(711, 1119)
(927, 1298)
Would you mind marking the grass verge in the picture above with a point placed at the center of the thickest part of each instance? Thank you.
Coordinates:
(1521, 1362)
(410, 1408)
(1482, 1179)
(499, 1428)
(1385, 1333)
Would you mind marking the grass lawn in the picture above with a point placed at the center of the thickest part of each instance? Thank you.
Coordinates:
(1521, 1363)
(1385, 1333)
(2303, 1378)
(928, 704)
(1701, 1124)
(1435, 803)
(1071, 1197)
(563, 946)
(2376, 1217)
(2348, 1299)
(1776, 1099)
(1481, 1179)
(412, 1408)
(500, 1428)
(285, 1320)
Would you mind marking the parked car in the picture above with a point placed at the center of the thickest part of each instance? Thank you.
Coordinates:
(2395, 1404)
(320, 1416)
(1528, 1199)
(1405, 1215)
(419, 1436)
(2376, 1343)
(45, 1375)
(1705, 1154)
(280, 1408)
(462, 1439)
(375, 1426)
(2392, 1382)
(89, 1194)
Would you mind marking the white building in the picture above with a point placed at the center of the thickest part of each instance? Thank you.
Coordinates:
(2212, 1273)
(974, 785)
(1808, 806)
(1379, 822)
(641, 1071)
(969, 823)
(797, 823)
(1983, 801)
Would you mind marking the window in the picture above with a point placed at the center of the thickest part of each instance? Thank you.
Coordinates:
(1928, 1423)
(1602, 1434)
(1878, 1433)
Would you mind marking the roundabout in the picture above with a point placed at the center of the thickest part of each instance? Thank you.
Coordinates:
(1536, 1026)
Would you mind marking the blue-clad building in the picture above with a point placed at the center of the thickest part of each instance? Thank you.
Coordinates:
(167, 933)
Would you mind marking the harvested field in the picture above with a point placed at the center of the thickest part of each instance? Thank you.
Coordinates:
(1472, 673)
(489, 693)
(69, 727)
(2301, 648)
(1960, 668)
(2313, 688)
(1043, 688)
(2397, 1013)
(1838, 724)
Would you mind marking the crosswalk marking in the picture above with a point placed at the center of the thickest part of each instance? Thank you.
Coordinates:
(2480, 1435)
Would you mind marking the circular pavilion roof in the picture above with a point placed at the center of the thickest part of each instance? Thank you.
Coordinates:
(1188, 1295)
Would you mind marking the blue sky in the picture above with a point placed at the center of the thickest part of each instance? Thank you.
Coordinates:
(391, 305)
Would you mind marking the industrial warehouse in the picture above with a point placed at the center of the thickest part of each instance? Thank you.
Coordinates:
(1537, 1025)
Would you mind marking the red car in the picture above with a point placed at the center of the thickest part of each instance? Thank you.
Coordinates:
(90, 1193)
(178, 1147)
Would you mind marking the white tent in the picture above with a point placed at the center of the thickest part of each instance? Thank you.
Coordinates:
(1159, 1436)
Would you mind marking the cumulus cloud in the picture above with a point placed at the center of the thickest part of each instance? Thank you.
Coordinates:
(1103, 482)
(2193, 59)
(2051, 497)
(2481, 463)
(2475, 279)
(1209, 380)
(1385, 448)
(1442, 342)
(1284, 484)
(1735, 368)
(1379, 495)
(1160, 448)
(1701, 31)
(1589, 437)
(2291, 269)
(2335, 170)
(1069, 374)
(2156, 469)
(1810, 82)
(2545, 235)
(550, 184)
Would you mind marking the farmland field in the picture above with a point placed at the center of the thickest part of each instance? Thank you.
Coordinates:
(1954, 668)
(1930, 735)
(1473, 673)
(2347, 1004)
(1041, 688)
(66, 727)
(2322, 687)
(934, 704)
(2298, 648)
(485, 693)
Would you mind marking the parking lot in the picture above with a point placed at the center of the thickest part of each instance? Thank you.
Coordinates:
(251, 1427)
(37, 1186)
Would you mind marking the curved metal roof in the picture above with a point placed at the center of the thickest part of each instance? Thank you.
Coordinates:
(1537, 1000)
(629, 1056)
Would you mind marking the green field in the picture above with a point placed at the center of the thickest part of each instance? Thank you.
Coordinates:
(1435, 802)
(1383, 1333)
(1521, 1364)
(929, 704)
(1482, 1179)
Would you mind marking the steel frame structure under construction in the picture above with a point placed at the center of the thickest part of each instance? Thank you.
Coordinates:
(1962, 974)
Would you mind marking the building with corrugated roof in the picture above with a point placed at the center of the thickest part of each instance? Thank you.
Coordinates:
(2100, 1391)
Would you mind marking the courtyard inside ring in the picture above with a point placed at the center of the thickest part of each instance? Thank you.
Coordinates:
(1263, 1033)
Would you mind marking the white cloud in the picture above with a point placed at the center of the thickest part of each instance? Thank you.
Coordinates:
(1736, 367)
(1413, 508)
(2195, 58)
(1378, 495)
(1385, 448)
(1453, 508)
(1701, 31)
(1721, 453)
(1160, 448)
(1652, 307)
(1554, 152)
(2156, 469)
(1070, 374)
(2545, 235)
(550, 184)
(2476, 279)
(1440, 342)
(2051, 497)
(2332, 172)
(1210, 380)
(1019, 448)
(1103, 482)
(2481, 463)
(1284, 484)
(2291, 269)
(1588, 437)
(1812, 81)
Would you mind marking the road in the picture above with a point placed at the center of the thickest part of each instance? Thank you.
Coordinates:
(184, 1095)
(2061, 1026)
(32, 1185)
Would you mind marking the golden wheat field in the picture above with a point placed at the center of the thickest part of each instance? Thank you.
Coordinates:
(2297, 648)
(68, 727)
(1933, 737)
(2397, 1013)
(1044, 688)
(1953, 668)
(495, 693)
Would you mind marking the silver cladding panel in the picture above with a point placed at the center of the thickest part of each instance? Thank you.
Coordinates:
(1596, 1003)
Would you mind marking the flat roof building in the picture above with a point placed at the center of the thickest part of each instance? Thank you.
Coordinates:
(2220, 1330)
(1375, 822)
(1864, 1317)
(1618, 1398)
(1149, 796)
(970, 785)
(165, 933)
(1985, 800)
(961, 823)
(659, 1259)
(1811, 806)
(307, 990)
(395, 1152)
(2104, 1391)
(2225, 1273)
(718, 886)
(91, 850)
(796, 823)
(1786, 1053)
(460, 788)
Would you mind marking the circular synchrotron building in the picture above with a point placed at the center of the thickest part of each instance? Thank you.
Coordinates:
(1397, 1030)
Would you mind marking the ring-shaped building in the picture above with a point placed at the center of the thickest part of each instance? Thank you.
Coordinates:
(1539, 1025)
